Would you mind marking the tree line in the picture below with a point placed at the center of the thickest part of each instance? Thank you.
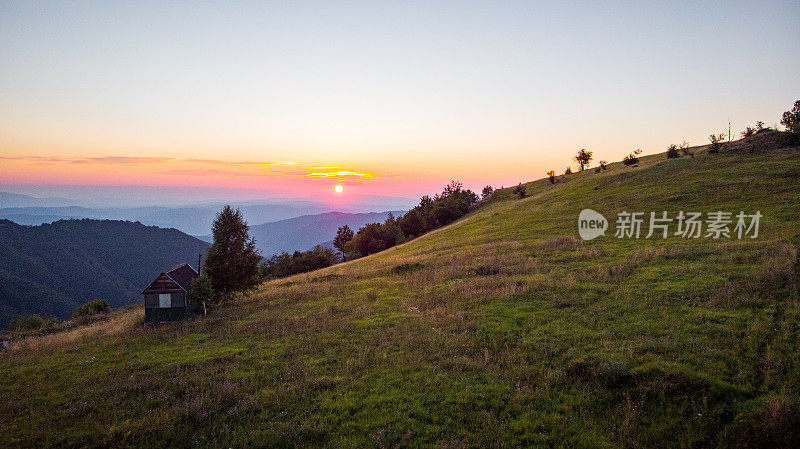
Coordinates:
(431, 213)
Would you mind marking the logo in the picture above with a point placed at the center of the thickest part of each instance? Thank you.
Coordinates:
(591, 224)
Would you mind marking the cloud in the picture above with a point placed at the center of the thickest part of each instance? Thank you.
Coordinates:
(124, 160)
(206, 172)
(205, 167)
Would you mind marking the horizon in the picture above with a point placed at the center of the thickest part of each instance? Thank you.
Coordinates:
(290, 100)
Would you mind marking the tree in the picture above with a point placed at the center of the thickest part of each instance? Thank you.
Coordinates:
(603, 165)
(551, 175)
(519, 190)
(369, 240)
(583, 157)
(202, 290)
(487, 192)
(791, 119)
(412, 224)
(343, 235)
(232, 260)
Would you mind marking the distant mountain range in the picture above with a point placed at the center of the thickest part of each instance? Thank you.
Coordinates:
(52, 269)
(194, 218)
(304, 232)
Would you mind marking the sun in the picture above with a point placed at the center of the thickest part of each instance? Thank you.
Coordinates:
(338, 188)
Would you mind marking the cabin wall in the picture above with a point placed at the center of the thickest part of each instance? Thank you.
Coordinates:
(158, 315)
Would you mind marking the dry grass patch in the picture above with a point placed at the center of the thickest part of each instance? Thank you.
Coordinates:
(116, 323)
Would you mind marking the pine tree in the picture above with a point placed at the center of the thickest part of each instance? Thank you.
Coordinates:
(232, 261)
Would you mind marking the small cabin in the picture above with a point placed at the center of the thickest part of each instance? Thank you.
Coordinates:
(165, 297)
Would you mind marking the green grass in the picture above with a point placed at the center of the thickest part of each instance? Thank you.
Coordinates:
(501, 330)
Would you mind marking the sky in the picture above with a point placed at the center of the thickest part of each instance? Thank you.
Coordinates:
(385, 98)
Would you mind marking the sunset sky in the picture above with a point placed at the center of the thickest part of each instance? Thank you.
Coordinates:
(385, 98)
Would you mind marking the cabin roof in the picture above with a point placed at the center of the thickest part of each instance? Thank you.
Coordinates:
(182, 275)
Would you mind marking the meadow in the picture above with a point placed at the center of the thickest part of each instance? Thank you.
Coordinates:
(504, 329)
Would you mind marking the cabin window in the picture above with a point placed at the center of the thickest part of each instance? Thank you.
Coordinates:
(178, 300)
(164, 300)
(151, 300)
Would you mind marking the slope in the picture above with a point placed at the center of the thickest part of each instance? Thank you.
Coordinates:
(52, 269)
(503, 329)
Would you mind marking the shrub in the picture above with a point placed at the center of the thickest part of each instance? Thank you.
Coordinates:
(716, 142)
(551, 176)
(583, 157)
(33, 323)
(487, 192)
(92, 308)
(685, 149)
(202, 289)
(520, 191)
(568, 171)
(603, 165)
(672, 151)
(749, 131)
(630, 159)
(285, 264)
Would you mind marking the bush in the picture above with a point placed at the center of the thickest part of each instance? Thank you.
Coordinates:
(716, 142)
(672, 151)
(551, 176)
(202, 289)
(630, 160)
(568, 171)
(92, 308)
(520, 191)
(603, 165)
(285, 264)
(487, 192)
(684, 147)
(31, 324)
(749, 131)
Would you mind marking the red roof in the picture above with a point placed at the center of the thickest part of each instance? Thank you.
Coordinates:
(181, 275)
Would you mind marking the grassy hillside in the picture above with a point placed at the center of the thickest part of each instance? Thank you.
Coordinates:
(501, 330)
(52, 269)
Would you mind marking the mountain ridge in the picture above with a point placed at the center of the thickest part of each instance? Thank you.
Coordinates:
(51, 269)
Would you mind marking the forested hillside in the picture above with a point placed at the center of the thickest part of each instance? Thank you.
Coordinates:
(52, 269)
